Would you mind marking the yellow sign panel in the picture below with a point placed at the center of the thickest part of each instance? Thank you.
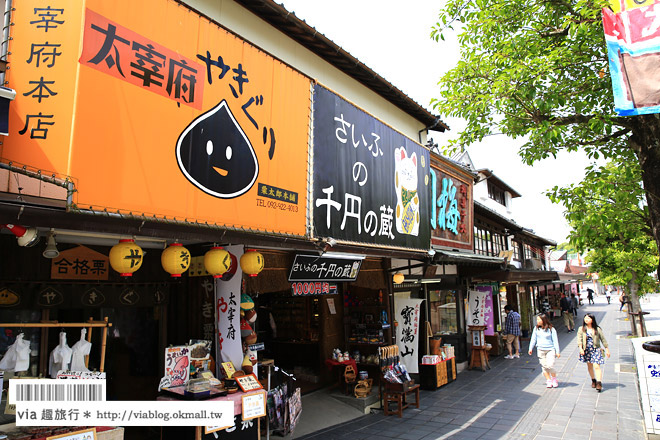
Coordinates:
(155, 110)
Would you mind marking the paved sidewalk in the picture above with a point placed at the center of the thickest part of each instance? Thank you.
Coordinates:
(510, 401)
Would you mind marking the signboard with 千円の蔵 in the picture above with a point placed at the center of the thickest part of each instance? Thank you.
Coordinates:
(371, 183)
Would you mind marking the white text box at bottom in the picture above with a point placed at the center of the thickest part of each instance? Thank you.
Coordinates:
(125, 413)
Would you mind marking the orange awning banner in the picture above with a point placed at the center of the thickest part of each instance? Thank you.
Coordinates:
(155, 110)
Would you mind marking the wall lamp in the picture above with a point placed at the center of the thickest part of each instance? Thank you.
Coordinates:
(51, 246)
(398, 278)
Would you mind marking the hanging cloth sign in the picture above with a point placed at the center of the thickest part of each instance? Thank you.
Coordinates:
(476, 307)
(407, 332)
(489, 315)
(228, 314)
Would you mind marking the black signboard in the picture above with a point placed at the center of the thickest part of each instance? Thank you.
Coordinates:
(321, 268)
(370, 182)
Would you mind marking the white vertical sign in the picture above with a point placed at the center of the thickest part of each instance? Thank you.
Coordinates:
(648, 374)
(476, 307)
(228, 314)
(407, 332)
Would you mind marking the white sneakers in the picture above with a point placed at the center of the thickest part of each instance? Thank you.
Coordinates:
(515, 356)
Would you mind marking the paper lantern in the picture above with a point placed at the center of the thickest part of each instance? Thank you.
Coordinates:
(217, 261)
(398, 278)
(126, 257)
(252, 262)
(175, 259)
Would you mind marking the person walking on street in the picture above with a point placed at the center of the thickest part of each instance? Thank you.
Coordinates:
(574, 304)
(565, 305)
(512, 332)
(623, 299)
(544, 337)
(608, 294)
(590, 295)
(589, 339)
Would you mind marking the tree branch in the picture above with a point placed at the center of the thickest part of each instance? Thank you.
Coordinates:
(608, 138)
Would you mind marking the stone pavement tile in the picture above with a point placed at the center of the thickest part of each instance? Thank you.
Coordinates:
(626, 424)
(438, 433)
(383, 434)
(469, 434)
(423, 417)
(582, 433)
(437, 423)
(504, 426)
(412, 435)
(441, 420)
(632, 436)
(582, 416)
(551, 434)
(488, 419)
(545, 437)
(603, 431)
(579, 424)
(480, 424)
(511, 417)
(493, 434)
(453, 410)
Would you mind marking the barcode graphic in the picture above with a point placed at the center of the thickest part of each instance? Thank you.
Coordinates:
(70, 392)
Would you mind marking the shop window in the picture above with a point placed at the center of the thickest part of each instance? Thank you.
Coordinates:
(487, 242)
(498, 243)
(482, 241)
(443, 311)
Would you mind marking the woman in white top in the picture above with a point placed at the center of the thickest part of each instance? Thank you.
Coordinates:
(544, 337)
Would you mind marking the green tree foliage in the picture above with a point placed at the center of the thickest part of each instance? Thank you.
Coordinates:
(538, 70)
(608, 214)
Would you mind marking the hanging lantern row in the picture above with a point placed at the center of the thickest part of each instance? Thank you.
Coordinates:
(126, 258)
(217, 261)
(252, 262)
(175, 259)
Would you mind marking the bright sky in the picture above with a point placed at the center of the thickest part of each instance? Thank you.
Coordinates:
(393, 39)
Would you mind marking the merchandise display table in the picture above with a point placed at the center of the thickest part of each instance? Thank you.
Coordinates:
(236, 398)
(43, 432)
(339, 367)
